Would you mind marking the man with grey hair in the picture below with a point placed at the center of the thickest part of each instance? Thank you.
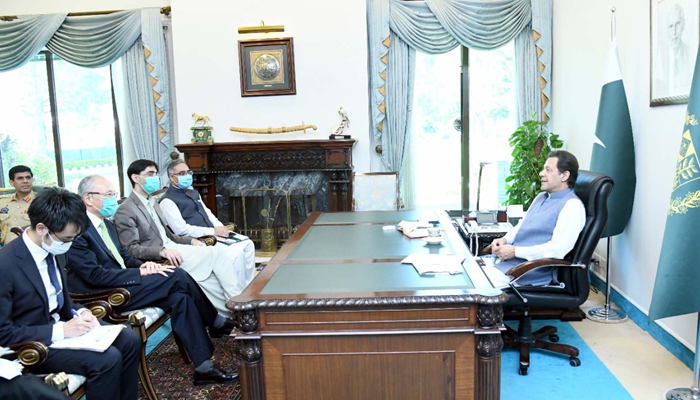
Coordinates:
(184, 211)
(96, 261)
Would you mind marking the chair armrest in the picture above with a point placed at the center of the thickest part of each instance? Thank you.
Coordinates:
(231, 226)
(115, 297)
(486, 250)
(209, 240)
(17, 230)
(102, 309)
(523, 268)
(29, 353)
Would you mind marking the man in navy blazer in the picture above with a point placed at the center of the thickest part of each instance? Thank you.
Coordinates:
(35, 306)
(96, 261)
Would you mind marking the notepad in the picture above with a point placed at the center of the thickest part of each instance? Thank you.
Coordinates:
(97, 339)
(10, 369)
(435, 263)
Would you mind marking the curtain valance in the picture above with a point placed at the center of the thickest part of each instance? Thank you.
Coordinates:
(93, 41)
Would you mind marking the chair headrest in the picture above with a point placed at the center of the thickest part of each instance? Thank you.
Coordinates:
(587, 188)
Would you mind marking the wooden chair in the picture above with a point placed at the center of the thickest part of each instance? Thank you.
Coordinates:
(375, 191)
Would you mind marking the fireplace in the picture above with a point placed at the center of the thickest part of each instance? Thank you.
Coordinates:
(314, 171)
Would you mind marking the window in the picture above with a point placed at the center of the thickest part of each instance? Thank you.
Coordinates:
(460, 127)
(59, 119)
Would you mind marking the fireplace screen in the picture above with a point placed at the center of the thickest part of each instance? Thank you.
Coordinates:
(269, 216)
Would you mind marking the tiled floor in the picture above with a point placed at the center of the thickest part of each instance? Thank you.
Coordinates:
(644, 367)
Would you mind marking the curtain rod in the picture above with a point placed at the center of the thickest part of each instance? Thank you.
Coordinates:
(164, 10)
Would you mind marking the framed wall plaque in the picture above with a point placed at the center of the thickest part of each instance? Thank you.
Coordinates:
(675, 31)
(266, 67)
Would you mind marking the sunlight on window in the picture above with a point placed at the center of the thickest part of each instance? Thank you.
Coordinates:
(436, 143)
(26, 133)
(492, 119)
(85, 115)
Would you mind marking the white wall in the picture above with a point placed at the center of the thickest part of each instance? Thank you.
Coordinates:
(581, 40)
(330, 57)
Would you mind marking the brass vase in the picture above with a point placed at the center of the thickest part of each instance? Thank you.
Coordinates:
(268, 239)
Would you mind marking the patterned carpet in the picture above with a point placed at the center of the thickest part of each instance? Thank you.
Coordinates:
(172, 378)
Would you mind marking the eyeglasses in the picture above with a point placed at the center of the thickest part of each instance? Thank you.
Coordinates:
(184, 173)
(65, 240)
(106, 194)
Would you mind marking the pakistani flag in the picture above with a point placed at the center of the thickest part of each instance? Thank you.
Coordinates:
(676, 291)
(613, 147)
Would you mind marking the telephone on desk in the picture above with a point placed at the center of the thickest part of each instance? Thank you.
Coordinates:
(486, 222)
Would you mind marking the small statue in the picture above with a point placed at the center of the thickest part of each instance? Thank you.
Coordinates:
(201, 131)
(338, 131)
(203, 119)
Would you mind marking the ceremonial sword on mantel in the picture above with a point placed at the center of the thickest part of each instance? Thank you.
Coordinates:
(271, 130)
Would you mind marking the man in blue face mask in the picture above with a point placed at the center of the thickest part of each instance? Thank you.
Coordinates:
(35, 306)
(184, 212)
(96, 261)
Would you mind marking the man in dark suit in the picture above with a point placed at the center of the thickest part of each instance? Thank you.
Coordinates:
(35, 306)
(96, 261)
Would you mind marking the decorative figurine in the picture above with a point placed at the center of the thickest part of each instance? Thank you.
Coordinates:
(201, 132)
(338, 131)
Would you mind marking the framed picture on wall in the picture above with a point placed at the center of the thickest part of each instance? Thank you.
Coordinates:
(675, 33)
(266, 67)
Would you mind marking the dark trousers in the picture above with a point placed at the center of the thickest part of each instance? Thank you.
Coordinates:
(190, 310)
(28, 387)
(112, 375)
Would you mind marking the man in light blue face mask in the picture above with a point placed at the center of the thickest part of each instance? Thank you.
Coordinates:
(97, 261)
(185, 212)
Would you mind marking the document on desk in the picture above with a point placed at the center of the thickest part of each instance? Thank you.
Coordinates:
(435, 263)
(232, 239)
(97, 339)
(414, 229)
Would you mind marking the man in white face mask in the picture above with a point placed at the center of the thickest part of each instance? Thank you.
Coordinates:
(35, 306)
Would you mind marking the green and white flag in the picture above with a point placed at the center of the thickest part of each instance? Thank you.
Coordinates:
(677, 287)
(613, 147)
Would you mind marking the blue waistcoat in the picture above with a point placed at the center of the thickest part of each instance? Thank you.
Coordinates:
(190, 207)
(537, 228)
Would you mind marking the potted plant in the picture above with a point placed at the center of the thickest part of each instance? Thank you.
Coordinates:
(531, 144)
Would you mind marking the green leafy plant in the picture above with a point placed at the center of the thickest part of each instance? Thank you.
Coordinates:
(531, 143)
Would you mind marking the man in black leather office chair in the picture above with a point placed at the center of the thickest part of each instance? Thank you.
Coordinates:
(551, 226)
(593, 189)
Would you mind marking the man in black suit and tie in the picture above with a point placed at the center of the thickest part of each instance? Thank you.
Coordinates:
(96, 261)
(35, 306)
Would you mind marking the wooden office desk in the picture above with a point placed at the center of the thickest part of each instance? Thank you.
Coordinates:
(334, 315)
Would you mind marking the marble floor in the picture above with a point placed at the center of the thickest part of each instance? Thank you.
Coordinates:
(644, 367)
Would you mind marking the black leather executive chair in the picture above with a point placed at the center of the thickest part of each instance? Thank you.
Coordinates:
(593, 189)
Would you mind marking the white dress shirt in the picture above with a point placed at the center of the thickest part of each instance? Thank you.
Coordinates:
(39, 255)
(570, 222)
(173, 217)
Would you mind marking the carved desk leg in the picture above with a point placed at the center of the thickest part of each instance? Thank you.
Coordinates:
(249, 354)
(488, 352)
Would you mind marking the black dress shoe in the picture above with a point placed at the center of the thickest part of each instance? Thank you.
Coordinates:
(214, 376)
(224, 330)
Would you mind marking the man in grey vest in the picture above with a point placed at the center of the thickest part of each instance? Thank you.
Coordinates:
(552, 224)
(184, 211)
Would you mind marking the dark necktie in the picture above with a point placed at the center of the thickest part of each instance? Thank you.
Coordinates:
(54, 281)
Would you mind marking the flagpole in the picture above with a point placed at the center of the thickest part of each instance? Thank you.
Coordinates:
(607, 314)
(693, 392)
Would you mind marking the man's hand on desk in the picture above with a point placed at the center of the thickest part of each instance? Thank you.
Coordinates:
(504, 251)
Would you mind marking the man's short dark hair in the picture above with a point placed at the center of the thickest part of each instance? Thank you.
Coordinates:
(56, 208)
(19, 169)
(137, 167)
(566, 162)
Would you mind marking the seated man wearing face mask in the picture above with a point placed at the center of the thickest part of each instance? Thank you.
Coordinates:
(35, 306)
(185, 212)
(145, 235)
(96, 261)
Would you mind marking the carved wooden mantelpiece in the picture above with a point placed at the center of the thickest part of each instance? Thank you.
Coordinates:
(331, 156)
